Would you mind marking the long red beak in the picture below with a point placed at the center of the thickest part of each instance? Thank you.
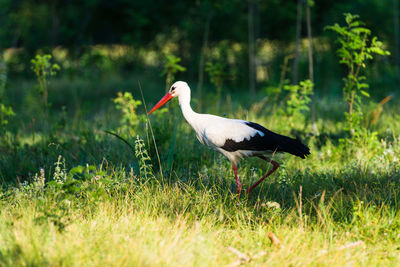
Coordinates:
(163, 100)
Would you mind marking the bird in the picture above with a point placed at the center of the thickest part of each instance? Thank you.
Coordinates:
(235, 139)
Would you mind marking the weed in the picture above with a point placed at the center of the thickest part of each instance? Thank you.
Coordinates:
(60, 174)
(171, 67)
(43, 69)
(298, 100)
(129, 120)
(145, 168)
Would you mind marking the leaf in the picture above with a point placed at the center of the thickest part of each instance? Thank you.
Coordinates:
(360, 30)
(364, 93)
(362, 85)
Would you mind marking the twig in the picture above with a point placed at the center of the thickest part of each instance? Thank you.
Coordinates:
(274, 240)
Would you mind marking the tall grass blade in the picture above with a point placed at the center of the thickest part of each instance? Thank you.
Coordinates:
(152, 133)
(121, 138)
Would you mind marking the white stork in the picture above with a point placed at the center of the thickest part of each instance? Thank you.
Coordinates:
(234, 138)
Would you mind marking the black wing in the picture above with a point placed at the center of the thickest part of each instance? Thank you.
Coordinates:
(269, 142)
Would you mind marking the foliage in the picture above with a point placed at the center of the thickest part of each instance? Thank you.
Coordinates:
(95, 62)
(128, 105)
(144, 32)
(145, 168)
(298, 99)
(217, 73)
(171, 67)
(5, 111)
(44, 69)
(54, 196)
(60, 174)
(356, 48)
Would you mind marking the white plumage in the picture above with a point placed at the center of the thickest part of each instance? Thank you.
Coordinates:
(212, 130)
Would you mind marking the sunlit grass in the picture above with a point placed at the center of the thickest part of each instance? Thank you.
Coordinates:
(180, 225)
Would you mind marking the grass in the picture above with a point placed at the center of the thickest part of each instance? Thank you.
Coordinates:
(180, 225)
(79, 196)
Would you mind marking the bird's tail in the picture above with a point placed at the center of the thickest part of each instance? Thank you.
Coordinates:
(294, 147)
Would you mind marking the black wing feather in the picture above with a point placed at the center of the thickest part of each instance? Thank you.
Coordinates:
(270, 141)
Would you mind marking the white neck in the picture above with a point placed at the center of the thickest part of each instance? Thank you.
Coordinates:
(187, 111)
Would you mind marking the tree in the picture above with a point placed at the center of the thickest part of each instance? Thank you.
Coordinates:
(297, 46)
(311, 63)
(396, 36)
(251, 30)
(202, 59)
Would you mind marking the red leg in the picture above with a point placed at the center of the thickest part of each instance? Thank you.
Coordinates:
(275, 166)
(238, 183)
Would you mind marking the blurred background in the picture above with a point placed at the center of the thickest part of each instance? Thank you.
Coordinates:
(100, 40)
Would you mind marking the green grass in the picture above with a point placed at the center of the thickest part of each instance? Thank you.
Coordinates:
(98, 204)
(184, 224)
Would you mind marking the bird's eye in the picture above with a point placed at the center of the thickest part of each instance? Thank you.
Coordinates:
(172, 88)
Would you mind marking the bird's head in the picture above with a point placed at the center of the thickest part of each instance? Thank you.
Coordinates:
(177, 89)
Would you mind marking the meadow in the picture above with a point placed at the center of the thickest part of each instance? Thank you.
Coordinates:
(80, 196)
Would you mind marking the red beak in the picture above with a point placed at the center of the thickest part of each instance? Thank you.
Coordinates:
(163, 100)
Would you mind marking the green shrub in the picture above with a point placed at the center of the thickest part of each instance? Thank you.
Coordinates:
(298, 100)
(356, 48)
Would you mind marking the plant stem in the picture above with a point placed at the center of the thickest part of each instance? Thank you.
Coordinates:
(353, 82)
